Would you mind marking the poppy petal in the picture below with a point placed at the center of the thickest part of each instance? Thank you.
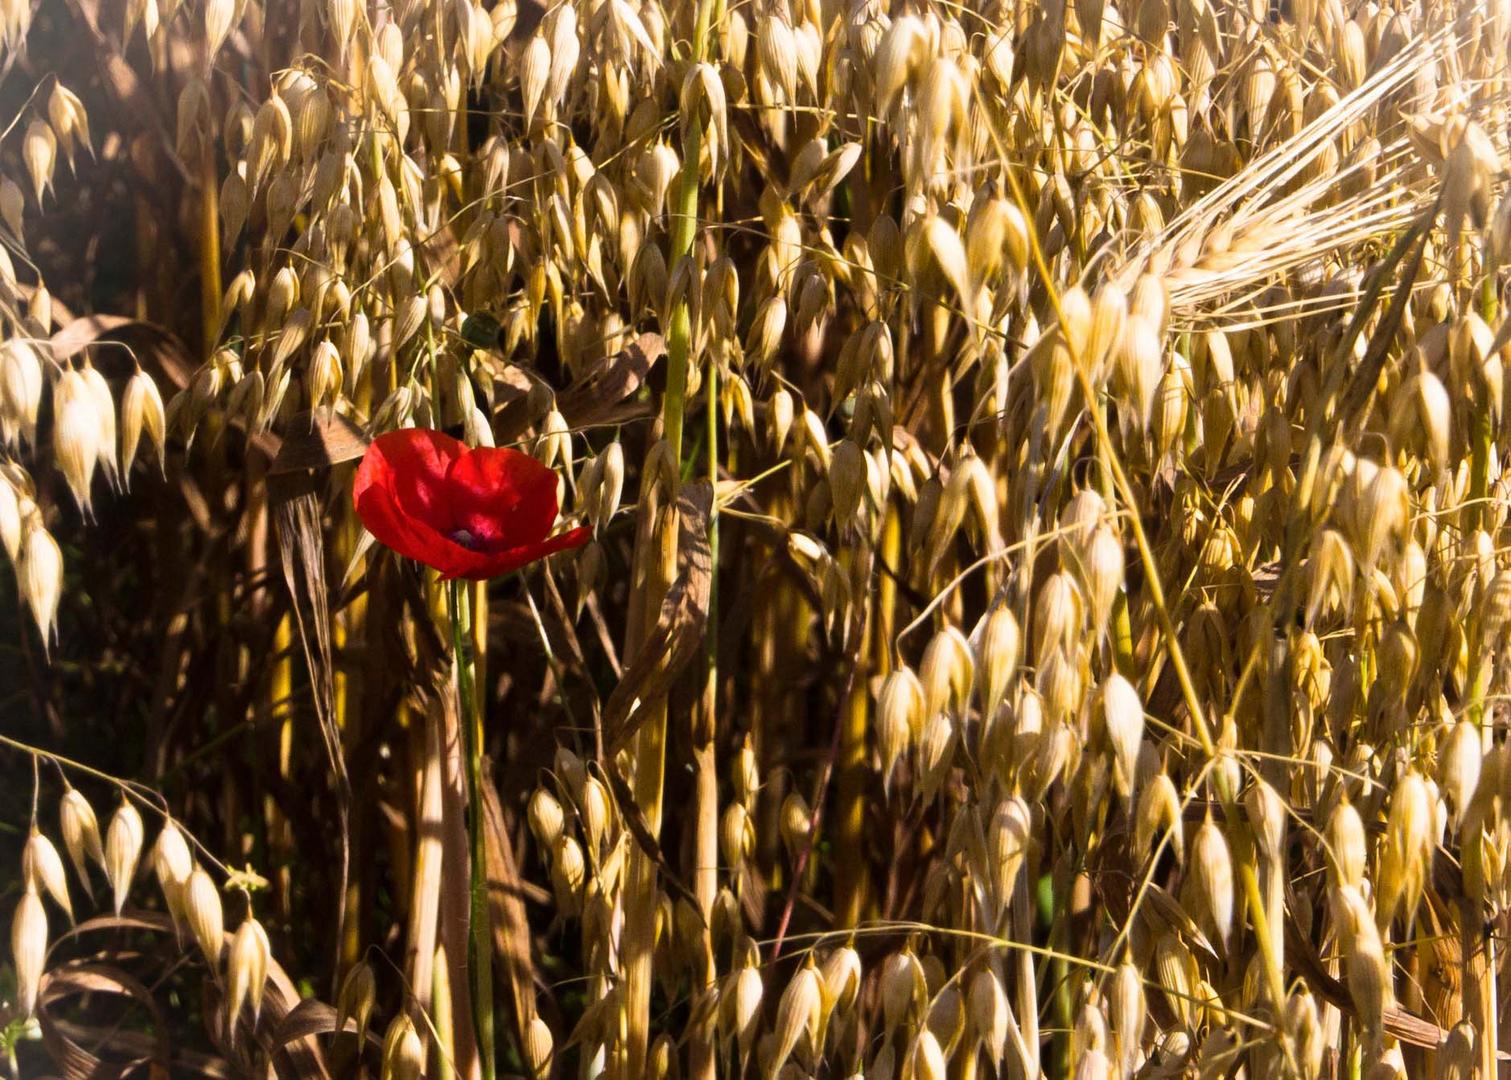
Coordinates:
(482, 565)
(381, 516)
(501, 497)
(420, 460)
(400, 490)
(475, 514)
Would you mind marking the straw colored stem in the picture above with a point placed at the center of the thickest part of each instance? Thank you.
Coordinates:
(640, 901)
(701, 1048)
(424, 893)
(851, 883)
(1480, 435)
(441, 1013)
(209, 250)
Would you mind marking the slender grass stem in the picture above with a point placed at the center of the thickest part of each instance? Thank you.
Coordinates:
(705, 875)
(481, 928)
(657, 565)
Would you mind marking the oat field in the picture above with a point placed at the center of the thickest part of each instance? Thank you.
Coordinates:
(907, 539)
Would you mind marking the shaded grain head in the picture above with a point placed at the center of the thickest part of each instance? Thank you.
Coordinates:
(205, 915)
(403, 1052)
(247, 969)
(81, 834)
(42, 869)
(123, 849)
(28, 941)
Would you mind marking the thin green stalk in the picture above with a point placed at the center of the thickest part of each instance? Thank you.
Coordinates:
(481, 930)
(1054, 901)
(684, 225)
(678, 341)
(655, 569)
(1480, 434)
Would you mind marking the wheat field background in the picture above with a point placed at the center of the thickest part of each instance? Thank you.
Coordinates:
(1043, 594)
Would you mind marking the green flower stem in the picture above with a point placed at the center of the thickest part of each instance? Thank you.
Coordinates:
(481, 929)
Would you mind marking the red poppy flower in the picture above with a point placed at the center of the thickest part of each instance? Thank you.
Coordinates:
(472, 514)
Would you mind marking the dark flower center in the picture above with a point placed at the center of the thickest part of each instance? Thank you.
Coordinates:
(466, 539)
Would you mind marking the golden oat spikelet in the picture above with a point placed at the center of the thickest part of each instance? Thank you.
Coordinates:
(356, 999)
(568, 872)
(947, 672)
(28, 941)
(797, 1015)
(1409, 843)
(1347, 848)
(796, 823)
(40, 576)
(10, 520)
(1459, 765)
(988, 1014)
(998, 645)
(902, 987)
(217, 18)
(1212, 865)
(123, 849)
(12, 207)
(205, 915)
(104, 408)
(1176, 973)
(69, 120)
(539, 1048)
(1159, 812)
(1365, 964)
(42, 869)
(76, 437)
(546, 818)
(21, 385)
(1304, 1028)
(1008, 842)
(81, 834)
(39, 153)
(1123, 721)
(899, 718)
(403, 1053)
(927, 1059)
(1127, 1008)
(743, 1012)
(842, 975)
(247, 969)
(142, 411)
(173, 863)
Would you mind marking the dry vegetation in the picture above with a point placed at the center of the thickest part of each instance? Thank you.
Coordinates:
(1048, 605)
